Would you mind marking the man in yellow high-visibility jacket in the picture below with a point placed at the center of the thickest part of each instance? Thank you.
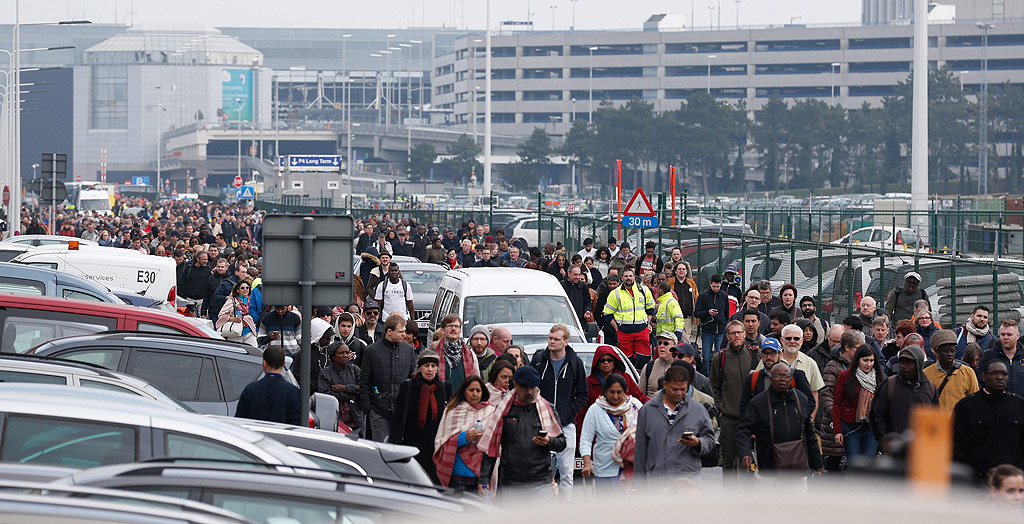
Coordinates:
(629, 310)
(669, 316)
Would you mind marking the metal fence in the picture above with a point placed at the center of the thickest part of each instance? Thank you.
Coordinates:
(979, 264)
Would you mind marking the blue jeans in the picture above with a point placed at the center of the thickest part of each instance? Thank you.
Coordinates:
(858, 440)
(709, 344)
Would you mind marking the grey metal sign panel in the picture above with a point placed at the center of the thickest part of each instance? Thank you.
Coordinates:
(333, 250)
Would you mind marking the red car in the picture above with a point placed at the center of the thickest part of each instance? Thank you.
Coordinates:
(28, 321)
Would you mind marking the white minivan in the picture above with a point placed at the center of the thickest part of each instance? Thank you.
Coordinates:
(502, 295)
(148, 275)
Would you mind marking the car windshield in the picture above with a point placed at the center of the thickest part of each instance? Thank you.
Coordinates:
(518, 310)
(94, 205)
(422, 281)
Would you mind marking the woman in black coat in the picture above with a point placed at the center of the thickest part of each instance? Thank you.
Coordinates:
(418, 409)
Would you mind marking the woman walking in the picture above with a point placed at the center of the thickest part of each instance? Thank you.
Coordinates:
(855, 389)
(418, 410)
(235, 321)
(456, 456)
(607, 421)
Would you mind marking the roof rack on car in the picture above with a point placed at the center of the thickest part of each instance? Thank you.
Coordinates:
(56, 360)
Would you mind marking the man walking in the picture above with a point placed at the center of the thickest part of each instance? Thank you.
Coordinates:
(563, 383)
(900, 303)
(952, 378)
(711, 310)
(271, 398)
(394, 294)
(987, 429)
(729, 368)
(579, 295)
(976, 330)
(1009, 352)
(629, 310)
(672, 431)
(386, 363)
(898, 394)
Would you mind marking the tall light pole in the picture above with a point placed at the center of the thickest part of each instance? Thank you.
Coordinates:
(472, 87)
(408, 82)
(419, 84)
(919, 140)
(387, 85)
(379, 92)
(737, 2)
(573, 26)
(487, 104)
(590, 99)
(711, 17)
(710, 58)
(159, 138)
(833, 95)
(983, 118)
(553, 7)
(346, 113)
(238, 107)
(14, 93)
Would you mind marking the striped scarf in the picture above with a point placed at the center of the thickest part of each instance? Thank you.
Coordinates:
(460, 418)
(490, 442)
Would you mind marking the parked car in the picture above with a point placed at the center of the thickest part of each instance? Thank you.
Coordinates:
(31, 280)
(34, 369)
(206, 375)
(343, 453)
(84, 428)
(526, 229)
(885, 237)
(268, 497)
(25, 501)
(28, 321)
(46, 240)
(9, 250)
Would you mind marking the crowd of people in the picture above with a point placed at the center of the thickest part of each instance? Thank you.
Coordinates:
(738, 378)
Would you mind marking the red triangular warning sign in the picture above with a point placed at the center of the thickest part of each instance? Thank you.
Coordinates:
(638, 207)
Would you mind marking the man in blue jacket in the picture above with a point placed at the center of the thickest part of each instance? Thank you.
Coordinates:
(712, 311)
(563, 383)
(976, 329)
(271, 398)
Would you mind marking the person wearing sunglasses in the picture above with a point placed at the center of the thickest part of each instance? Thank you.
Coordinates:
(654, 371)
(792, 339)
(372, 327)
(606, 362)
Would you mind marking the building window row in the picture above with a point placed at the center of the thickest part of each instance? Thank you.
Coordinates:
(109, 97)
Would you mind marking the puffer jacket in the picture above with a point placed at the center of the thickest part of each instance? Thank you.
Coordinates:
(384, 366)
(826, 396)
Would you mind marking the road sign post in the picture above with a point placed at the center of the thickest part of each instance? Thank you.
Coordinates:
(638, 212)
(55, 165)
(289, 280)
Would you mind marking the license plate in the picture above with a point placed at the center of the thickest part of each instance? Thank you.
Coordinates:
(579, 464)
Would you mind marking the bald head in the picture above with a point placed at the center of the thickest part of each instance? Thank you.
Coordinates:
(501, 339)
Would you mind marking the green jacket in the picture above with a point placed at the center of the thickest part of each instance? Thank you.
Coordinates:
(669, 316)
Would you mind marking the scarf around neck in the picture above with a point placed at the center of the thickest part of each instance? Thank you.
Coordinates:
(453, 353)
(428, 404)
(975, 331)
(866, 380)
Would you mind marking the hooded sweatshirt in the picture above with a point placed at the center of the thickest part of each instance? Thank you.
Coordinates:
(595, 382)
(894, 398)
(564, 386)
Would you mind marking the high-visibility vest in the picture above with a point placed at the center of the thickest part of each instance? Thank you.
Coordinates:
(629, 309)
(670, 315)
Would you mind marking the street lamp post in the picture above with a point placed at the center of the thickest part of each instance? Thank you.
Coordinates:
(238, 106)
(710, 58)
(346, 112)
(833, 92)
(590, 99)
(983, 117)
(711, 17)
(737, 2)
(419, 86)
(487, 101)
(159, 153)
(553, 7)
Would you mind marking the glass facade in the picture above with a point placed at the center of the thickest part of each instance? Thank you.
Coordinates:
(109, 98)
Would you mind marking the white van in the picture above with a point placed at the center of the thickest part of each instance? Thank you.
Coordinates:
(502, 295)
(149, 275)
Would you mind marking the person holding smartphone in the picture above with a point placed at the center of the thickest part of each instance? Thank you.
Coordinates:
(672, 431)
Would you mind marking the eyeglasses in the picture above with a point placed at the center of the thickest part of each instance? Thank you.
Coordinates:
(792, 338)
(924, 318)
(451, 326)
(372, 313)
(664, 343)
(606, 361)
(242, 287)
(735, 333)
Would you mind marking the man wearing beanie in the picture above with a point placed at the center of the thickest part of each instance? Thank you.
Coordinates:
(953, 380)
(897, 396)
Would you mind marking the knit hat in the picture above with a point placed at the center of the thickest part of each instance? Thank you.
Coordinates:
(427, 356)
(527, 376)
(942, 337)
(479, 329)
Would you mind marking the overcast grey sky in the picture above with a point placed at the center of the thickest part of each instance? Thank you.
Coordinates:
(590, 14)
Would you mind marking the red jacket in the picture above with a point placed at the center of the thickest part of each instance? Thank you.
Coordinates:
(595, 388)
(842, 409)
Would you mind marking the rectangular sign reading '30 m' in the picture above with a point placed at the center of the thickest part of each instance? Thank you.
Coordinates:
(332, 259)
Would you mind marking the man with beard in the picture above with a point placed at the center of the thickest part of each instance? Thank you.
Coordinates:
(808, 308)
(976, 329)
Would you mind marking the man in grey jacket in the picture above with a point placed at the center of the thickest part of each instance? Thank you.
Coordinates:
(672, 431)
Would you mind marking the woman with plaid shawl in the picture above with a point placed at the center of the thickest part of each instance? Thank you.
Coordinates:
(455, 453)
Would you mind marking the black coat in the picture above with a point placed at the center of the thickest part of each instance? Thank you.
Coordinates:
(707, 301)
(384, 366)
(270, 398)
(790, 424)
(523, 462)
(579, 297)
(567, 393)
(763, 383)
(405, 421)
(195, 282)
(210, 306)
(988, 430)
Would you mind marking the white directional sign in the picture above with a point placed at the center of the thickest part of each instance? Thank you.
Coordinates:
(313, 162)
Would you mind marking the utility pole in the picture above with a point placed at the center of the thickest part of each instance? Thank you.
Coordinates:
(919, 140)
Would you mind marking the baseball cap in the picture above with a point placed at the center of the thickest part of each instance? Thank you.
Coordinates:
(731, 268)
(668, 335)
(685, 349)
(772, 344)
(912, 274)
(371, 304)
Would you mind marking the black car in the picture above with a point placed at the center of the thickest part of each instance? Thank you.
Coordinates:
(267, 496)
(205, 374)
